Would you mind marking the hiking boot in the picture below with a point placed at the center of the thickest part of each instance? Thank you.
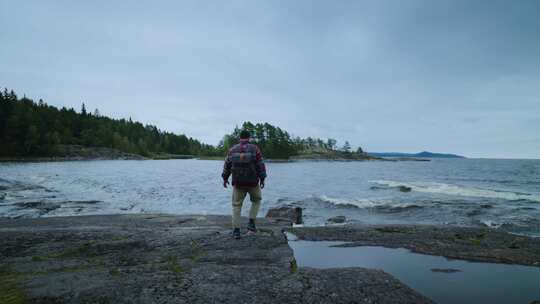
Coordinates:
(236, 233)
(251, 226)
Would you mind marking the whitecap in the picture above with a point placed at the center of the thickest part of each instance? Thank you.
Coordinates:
(449, 189)
(342, 202)
(375, 205)
(491, 224)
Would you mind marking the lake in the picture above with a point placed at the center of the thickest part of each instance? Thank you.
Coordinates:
(501, 194)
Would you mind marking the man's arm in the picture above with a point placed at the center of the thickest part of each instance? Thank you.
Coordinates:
(226, 169)
(260, 167)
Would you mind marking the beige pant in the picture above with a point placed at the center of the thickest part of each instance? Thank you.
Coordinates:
(238, 199)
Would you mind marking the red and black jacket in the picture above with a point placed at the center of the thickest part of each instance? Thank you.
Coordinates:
(246, 165)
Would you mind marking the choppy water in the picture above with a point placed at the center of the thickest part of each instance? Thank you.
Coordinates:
(502, 194)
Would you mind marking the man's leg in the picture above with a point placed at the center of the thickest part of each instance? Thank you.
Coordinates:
(255, 197)
(237, 199)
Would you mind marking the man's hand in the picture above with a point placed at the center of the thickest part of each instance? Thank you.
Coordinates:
(225, 183)
(262, 183)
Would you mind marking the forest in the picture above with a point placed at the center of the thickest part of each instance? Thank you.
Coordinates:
(36, 129)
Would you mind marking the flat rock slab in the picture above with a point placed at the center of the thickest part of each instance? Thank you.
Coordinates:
(472, 244)
(171, 259)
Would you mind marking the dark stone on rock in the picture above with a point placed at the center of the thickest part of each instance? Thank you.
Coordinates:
(292, 214)
(405, 189)
(337, 219)
(514, 245)
(148, 258)
(445, 270)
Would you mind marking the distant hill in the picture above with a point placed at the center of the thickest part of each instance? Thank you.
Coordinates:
(424, 154)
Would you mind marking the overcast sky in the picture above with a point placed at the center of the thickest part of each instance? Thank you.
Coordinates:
(444, 76)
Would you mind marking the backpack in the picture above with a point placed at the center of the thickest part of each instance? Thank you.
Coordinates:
(243, 164)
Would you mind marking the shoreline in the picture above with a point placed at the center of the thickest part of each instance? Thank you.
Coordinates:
(193, 259)
(138, 157)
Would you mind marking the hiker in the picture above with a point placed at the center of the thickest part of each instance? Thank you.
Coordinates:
(245, 162)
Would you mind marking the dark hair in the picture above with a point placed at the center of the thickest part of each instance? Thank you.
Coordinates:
(245, 134)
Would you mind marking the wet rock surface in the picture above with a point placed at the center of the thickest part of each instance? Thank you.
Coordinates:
(26, 200)
(472, 244)
(171, 259)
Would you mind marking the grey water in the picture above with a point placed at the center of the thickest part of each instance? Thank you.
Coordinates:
(500, 194)
(471, 282)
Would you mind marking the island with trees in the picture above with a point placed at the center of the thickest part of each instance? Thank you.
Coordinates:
(32, 130)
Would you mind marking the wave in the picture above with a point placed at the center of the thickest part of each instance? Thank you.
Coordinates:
(381, 206)
(441, 188)
(491, 224)
(512, 223)
(347, 203)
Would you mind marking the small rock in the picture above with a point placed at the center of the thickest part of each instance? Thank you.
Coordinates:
(293, 214)
(445, 270)
(405, 189)
(337, 219)
(514, 245)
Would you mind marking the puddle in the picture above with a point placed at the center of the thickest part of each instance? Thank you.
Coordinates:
(442, 280)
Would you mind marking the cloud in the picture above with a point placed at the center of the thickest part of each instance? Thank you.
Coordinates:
(455, 76)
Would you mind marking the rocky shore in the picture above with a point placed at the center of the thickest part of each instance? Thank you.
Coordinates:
(77, 152)
(171, 259)
(147, 258)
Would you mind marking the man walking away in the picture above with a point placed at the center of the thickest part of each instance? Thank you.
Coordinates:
(245, 162)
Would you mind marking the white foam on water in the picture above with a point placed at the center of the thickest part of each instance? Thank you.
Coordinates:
(433, 187)
(366, 203)
(360, 203)
(491, 224)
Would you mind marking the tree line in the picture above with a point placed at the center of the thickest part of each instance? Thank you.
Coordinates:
(278, 143)
(30, 129)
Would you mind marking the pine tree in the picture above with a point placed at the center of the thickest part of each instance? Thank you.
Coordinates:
(346, 147)
(331, 143)
(83, 109)
(31, 142)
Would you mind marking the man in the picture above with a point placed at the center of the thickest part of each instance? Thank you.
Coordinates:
(245, 162)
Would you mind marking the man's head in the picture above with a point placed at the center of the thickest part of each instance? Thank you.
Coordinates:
(244, 134)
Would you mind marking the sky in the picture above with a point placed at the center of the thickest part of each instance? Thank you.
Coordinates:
(444, 76)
